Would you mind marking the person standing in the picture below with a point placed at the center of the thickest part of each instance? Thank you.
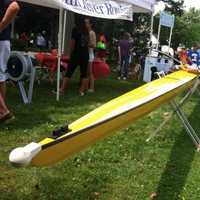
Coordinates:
(92, 46)
(79, 57)
(8, 11)
(183, 56)
(194, 56)
(41, 42)
(101, 47)
(124, 48)
(198, 51)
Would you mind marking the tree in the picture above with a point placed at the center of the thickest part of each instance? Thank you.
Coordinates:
(175, 6)
(187, 28)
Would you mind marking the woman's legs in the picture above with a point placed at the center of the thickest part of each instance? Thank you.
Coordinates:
(71, 68)
(65, 84)
(91, 78)
(83, 86)
(90, 65)
(84, 76)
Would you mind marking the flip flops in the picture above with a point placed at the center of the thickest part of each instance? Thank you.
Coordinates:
(7, 118)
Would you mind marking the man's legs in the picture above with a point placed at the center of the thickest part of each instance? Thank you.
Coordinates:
(3, 108)
(126, 65)
(4, 56)
(3, 89)
(121, 67)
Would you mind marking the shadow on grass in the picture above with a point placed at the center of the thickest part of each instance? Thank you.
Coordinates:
(44, 104)
(178, 166)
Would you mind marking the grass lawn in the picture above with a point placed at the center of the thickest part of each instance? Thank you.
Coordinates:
(121, 167)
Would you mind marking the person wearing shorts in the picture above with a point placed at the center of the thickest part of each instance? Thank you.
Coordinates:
(79, 57)
(8, 11)
(92, 46)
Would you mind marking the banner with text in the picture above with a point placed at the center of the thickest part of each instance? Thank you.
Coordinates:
(102, 9)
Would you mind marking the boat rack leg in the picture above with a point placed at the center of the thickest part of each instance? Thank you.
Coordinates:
(23, 92)
(177, 109)
(191, 132)
(27, 96)
(31, 85)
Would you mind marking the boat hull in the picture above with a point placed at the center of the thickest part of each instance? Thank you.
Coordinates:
(84, 133)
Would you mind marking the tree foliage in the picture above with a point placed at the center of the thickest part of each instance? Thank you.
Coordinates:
(175, 7)
(187, 29)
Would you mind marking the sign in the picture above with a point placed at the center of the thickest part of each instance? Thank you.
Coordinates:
(167, 19)
(102, 9)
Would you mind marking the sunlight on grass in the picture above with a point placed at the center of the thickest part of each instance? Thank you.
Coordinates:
(121, 167)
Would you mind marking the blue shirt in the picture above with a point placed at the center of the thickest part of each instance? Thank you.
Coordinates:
(194, 56)
(6, 33)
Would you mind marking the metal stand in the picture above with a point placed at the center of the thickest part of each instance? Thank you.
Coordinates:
(177, 109)
(27, 96)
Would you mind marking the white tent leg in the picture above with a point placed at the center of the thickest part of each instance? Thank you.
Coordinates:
(59, 52)
(170, 39)
(159, 30)
(151, 33)
(64, 30)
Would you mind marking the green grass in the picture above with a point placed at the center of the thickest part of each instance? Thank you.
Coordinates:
(121, 167)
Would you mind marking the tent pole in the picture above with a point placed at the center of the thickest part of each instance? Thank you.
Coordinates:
(64, 30)
(59, 52)
(159, 30)
(151, 33)
(170, 39)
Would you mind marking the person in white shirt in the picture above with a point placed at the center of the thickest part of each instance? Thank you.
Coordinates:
(41, 42)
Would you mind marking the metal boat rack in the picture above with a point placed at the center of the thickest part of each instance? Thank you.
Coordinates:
(180, 114)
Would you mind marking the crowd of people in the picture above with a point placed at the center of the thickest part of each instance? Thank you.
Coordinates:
(190, 56)
(34, 40)
(82, 53)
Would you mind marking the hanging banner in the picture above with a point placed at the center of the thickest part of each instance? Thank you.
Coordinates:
(102, 9)
(167, 19)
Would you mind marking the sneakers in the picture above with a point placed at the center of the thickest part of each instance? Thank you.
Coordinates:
(81, 94)
(124, 78)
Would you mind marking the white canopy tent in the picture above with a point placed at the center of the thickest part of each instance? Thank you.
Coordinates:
(109, 9)
(137, 5)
